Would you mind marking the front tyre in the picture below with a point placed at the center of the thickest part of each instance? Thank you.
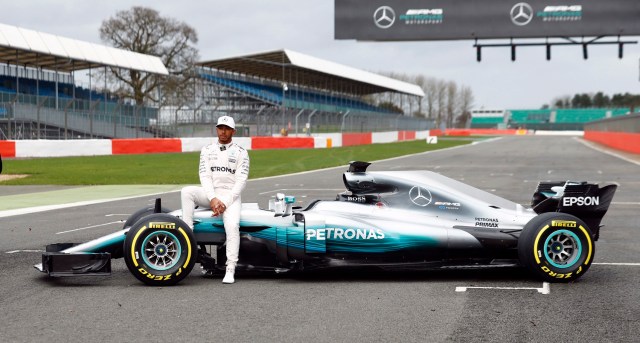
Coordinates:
(160, 250)
(556, 247)
(139, 214)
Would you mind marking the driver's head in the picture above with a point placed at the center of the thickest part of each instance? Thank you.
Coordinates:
(225, 128)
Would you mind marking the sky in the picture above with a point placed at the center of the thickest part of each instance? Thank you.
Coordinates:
(228, 28)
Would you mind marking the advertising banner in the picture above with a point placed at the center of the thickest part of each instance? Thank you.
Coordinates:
(407, 20)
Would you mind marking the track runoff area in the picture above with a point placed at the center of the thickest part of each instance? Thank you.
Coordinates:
(458, 305)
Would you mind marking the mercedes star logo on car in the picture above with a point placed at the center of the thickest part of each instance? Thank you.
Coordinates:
(384, 17)
(521, 13)
(420, 196)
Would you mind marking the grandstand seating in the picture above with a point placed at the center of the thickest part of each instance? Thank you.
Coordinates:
(491, 121)
(79, 105)
(47, 91)
(548, 119)
(299, 99)
(530, 116)
(586, 115)
(486, 118)
(46, 88)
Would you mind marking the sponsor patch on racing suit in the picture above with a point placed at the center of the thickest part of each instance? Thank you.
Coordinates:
(224, 169)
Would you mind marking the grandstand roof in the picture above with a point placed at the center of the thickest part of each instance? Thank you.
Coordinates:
(312, 71)
(36, 49)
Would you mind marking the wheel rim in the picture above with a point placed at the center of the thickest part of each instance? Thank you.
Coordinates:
(562, 249)
(161, 250)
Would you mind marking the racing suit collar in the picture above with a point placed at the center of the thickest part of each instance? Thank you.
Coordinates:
(224, 146)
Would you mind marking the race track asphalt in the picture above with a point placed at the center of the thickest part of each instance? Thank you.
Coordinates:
(498, 305)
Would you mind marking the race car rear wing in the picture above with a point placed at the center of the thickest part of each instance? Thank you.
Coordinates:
(587, 201)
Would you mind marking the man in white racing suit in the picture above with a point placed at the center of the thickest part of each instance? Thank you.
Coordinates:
(224, 169)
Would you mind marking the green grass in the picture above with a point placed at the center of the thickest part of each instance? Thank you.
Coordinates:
(182, 168)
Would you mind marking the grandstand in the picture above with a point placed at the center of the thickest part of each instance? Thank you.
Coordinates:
(287, 89)
(487, 118)
(39, 98)
(27, 92)
(542, 119)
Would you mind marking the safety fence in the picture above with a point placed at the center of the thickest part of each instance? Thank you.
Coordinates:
(28, 116)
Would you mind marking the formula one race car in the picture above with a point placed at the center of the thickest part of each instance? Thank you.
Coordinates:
(393, 220)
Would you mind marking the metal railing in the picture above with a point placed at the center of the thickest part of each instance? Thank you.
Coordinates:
(25, 116)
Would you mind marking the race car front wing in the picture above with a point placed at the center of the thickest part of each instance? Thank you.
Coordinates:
(91, 258)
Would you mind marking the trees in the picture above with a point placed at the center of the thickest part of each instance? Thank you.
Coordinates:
(431, 95)
(625, 100)
(441, 100)
(598, 100)
(562, 102)
(466, 101)
(601, 100)
(452, 102)
(446, 102)
(143, 30)
(390, 106)
(581, 101)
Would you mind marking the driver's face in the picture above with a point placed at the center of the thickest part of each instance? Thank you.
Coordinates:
(225, 134)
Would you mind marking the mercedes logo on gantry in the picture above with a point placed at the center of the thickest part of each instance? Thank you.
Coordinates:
(384, 17)
(521, 13)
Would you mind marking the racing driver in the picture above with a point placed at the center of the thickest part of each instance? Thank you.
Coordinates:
(224, 169)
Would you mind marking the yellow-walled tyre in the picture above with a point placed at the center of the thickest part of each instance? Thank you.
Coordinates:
(160, 250)
(556, 247)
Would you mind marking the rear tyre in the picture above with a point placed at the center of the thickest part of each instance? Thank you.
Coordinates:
(556, 247)
(160, 250)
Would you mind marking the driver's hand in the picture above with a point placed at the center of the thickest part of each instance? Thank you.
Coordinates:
(217, 207)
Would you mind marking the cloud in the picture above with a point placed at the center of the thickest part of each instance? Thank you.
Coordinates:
(236, 27)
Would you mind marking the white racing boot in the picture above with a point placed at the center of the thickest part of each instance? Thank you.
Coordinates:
(229, 275)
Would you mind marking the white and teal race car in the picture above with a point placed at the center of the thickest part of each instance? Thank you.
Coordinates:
(405, 220)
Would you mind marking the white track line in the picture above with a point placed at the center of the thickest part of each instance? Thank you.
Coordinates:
(597, 148)
(617, 264)
(27, 210)
(544, 289)
(22, 211)
(625, 203)
(16, 251)
(88, 227)
(344, 167)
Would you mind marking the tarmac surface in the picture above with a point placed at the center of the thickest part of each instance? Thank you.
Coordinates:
(502, 305)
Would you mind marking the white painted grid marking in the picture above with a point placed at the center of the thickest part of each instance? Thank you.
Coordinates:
(545, 285)
(544, 289)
